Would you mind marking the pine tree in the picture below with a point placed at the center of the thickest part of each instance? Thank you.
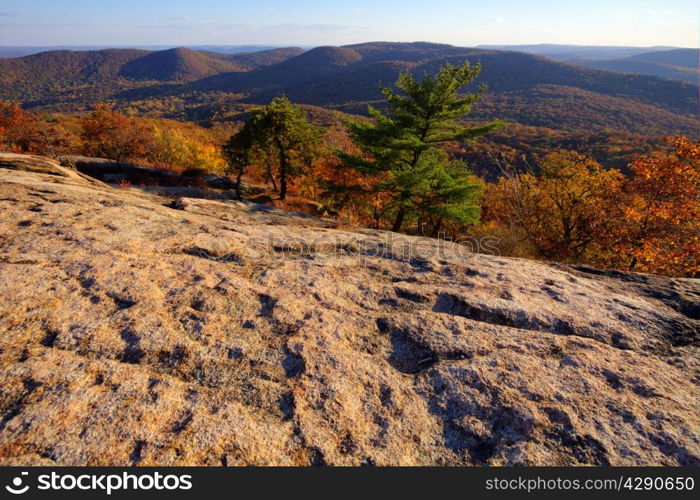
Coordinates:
(403, 147)
(279, 131)
(238, 152)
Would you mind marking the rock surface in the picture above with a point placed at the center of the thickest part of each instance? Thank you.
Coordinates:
(135, 331)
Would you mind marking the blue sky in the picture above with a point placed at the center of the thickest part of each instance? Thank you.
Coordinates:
(315, 22)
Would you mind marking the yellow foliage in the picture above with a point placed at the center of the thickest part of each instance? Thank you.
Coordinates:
(171, 147)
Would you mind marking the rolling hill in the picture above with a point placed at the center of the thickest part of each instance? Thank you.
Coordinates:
(348, 78)
(66, 67)
(332, 75)
(51, 77)
(257, 59)
(571, 108)
(21, 51)
(179, 64)
(687, 58)
(528, 89)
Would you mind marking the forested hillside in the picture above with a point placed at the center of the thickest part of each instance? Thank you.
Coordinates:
(545, 104)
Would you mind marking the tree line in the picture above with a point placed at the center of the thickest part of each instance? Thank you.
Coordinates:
(567, 207)
(399, 164)
(398, 170)
(107, 133)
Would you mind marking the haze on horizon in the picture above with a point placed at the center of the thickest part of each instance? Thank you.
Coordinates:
(316, 22)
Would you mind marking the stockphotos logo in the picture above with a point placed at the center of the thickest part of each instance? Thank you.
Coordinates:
(17, 482)
(106, 483)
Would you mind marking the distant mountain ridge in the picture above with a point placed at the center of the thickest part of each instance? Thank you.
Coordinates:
(348, 78)
(344, 76)
(563, 52)
(677, 64)
(179, 64)
(21, 51)
(672, 63)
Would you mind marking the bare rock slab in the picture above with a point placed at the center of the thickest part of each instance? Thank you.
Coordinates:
(138, 331)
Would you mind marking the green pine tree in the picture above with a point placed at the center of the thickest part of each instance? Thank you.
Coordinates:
(278, 135)
(403, 148)
(239, 152)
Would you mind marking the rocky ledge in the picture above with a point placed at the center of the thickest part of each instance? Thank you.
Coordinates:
(134, 330)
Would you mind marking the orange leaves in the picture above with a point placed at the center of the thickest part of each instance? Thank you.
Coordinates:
(561, 209)
(19, 129)
(23, 131)
(573, 210)
(662, 211)
(110, 134)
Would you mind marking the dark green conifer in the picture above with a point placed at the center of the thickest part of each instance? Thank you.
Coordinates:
(403, 148)
(281, 133)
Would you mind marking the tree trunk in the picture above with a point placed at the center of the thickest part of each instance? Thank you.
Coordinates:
(283, 175)
(283, 185)
(238, 181)
(398, 222)
(436, 227)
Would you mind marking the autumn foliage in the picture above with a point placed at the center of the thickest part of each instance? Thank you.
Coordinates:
(110, 134)
(560, 209)
(571, 209)
(172, 145)
(23, 131)
(661, 212)
(561, 205)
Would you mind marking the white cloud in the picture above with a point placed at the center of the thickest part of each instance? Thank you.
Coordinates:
(181, 17)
